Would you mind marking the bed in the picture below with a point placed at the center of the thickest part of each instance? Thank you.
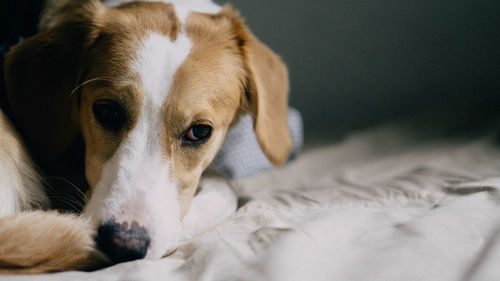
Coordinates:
(396, 202)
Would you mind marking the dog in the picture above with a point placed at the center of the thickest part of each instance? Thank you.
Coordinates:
(141, 94)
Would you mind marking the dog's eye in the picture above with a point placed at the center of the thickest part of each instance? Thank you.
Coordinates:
(109, 114)
(197, 134)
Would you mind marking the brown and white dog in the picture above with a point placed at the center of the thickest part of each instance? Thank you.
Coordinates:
(151, 88)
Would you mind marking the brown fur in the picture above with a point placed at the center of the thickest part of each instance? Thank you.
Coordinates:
(85, 54)
(36, 242)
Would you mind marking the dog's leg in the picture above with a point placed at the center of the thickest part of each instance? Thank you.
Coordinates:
(20, 184)
(37, 242)
(214, 202)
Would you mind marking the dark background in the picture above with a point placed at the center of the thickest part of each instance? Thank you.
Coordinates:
(354, 63)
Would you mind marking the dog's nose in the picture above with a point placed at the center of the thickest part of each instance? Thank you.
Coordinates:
(122, 243)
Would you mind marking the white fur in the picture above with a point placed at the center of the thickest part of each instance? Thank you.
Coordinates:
(182, 13)
(20, 185)
(215, 202)
(136, 182)
(202, 6)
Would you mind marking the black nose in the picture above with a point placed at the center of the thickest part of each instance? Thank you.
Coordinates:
(122, 243)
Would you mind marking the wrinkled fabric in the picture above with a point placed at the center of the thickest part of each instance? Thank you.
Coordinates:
(384, 204)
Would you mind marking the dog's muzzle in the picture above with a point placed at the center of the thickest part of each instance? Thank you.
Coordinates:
(121, 242)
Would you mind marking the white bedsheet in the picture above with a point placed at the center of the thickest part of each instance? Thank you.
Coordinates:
(385, 204)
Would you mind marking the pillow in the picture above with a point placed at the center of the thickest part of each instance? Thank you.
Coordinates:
(240, 155)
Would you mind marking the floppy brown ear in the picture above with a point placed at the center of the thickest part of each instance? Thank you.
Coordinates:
(40, 74)
(267, 96)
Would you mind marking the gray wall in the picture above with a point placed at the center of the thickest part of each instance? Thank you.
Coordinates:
(357, 62)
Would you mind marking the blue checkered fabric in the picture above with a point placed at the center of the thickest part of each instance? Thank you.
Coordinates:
(240, 155)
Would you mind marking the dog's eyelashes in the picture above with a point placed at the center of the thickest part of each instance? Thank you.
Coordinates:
(197, 134)
(109, 114)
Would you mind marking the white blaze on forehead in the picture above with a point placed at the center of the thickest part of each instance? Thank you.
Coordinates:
(136, 183)
(157, 61)
(182, 12)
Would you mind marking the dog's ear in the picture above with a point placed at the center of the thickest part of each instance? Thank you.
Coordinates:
(41, 74)
(266, 92)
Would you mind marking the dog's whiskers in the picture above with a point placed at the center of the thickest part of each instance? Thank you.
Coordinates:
(103, 78)
(78, 190)
(74, 204)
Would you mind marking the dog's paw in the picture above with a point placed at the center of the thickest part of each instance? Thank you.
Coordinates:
(214, 202)
(37, 242)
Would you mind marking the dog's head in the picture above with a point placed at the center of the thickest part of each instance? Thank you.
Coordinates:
(152, 88)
